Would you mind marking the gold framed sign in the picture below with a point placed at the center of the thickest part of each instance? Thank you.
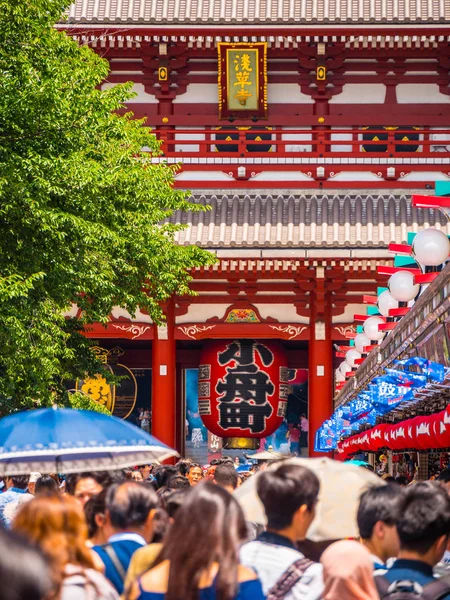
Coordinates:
(119, 399)
(242, 80)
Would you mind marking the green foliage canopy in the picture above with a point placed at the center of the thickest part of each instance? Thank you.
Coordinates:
(82, 208)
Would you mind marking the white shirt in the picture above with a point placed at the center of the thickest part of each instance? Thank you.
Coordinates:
(270, 561)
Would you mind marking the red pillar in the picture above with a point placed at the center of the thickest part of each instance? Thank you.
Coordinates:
(163, 380)
(320, 382)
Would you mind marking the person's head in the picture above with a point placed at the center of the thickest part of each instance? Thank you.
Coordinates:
(145, 471)
(137, 476)
(57, 525)
(131, 507)
(45, 484)
(84, 486)
(289, 496)
(387, 478)
(24, 571)
(424, 522)
(209, 514)
(32, 482)
(175, 501)
(162, 475)
(178, 482)
(377, 520)
(183, 467)
(226, 476)
(209, 475)
(94, 510)
(17, 481)
(226, 460)
(402, 480)
(195, 474)
(444, 479)
(348, 572)
(160, 525)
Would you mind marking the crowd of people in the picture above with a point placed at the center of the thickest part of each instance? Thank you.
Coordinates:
(178, 533)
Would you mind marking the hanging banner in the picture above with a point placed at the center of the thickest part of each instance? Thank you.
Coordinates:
(242, 80)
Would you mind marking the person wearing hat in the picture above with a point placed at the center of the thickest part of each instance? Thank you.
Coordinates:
(32, 482)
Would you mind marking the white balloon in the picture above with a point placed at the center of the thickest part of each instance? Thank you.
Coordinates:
(386, 302)
(339, 377)
(361, 341)
(344, 368)
(371, 328)
(431, 247)
(351, 356)
(402, 287)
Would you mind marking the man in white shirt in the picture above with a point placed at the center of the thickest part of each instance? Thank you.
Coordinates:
(289, 495)
(377, 518)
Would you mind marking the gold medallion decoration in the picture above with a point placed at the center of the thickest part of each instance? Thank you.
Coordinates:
(119, 398)
(242, 80)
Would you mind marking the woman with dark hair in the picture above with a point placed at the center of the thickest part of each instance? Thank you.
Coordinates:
(57, 525)
(94, 511)
(189, 570)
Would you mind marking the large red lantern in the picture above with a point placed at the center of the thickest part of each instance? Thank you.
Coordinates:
(424, 433)
(377, 437)
(442, 429)
(243, 388)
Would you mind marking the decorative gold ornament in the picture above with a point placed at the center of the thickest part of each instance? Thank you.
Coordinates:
(165, 119)
(321, 120)
(120, 398)
(163, 74)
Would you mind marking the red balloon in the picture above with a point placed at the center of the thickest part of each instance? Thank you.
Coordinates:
(243, 388)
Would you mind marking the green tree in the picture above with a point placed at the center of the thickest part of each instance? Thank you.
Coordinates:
(82, 208)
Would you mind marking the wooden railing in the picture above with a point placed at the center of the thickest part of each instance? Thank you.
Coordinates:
(324, 142)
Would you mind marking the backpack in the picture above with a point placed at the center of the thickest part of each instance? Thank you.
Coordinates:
(290, 577)
(411, 590)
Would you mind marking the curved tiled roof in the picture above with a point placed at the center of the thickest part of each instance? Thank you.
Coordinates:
(267, 12)
(304, 220)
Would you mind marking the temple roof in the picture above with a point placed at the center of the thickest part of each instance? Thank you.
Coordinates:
(255, 12)
(296, 220)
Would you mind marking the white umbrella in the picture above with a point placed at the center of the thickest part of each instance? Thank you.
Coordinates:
(341, 486)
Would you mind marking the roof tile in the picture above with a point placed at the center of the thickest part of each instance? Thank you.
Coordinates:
(264, 11)
(304, 220)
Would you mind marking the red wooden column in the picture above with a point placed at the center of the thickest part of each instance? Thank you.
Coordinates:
(320, 383)
(163, 380)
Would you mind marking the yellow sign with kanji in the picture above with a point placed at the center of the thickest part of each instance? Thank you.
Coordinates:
(242, 80)
(242, 71)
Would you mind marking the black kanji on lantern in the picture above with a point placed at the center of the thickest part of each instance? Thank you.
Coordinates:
(245, 388)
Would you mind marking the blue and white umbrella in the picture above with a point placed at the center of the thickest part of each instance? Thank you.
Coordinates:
(68, 441)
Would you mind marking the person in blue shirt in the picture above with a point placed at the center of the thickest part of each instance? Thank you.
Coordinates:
(377, 522)
(130, 508)
(16, 486)
(423, 527)
(200, 555)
